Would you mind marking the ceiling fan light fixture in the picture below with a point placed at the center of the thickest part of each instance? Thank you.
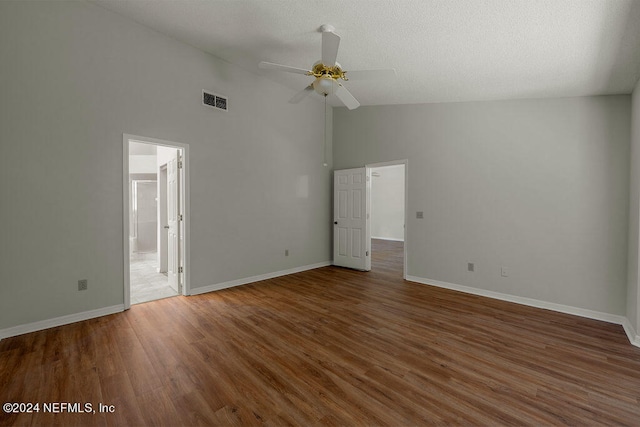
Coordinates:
(325, 85)
(328, 73)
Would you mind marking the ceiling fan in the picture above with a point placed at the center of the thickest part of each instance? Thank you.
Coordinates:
(327, 72)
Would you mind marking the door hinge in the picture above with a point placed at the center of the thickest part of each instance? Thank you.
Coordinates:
(367, 253)
(179, 164)
(179, 217)
(180, 269)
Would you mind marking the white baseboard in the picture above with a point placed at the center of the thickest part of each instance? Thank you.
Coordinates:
(632, 334)
(388, 238)
(582, 312)
(77, 317)
(59, 321)
(247, 280)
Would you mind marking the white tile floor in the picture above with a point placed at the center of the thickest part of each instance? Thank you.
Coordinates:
(146, 283)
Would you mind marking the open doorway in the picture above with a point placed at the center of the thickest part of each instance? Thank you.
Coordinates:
(353, 212)
(156, 218)
(148, 281)
(388, 216)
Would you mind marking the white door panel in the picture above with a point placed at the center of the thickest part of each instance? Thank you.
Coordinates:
(351, 223)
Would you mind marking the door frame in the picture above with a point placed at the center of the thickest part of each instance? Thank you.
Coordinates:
(162, 219)
(404, 162)
(184, 191)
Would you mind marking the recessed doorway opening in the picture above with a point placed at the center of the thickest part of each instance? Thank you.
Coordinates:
(357, 199)
(155, 195)
(387, 214)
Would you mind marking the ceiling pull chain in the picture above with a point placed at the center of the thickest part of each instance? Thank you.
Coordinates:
(325, 164)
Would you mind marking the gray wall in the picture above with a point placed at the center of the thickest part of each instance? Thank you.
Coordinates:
(74, 78)
(538, 186)
(633, 303)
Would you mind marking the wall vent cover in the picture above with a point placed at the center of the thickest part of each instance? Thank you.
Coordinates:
(214, 100)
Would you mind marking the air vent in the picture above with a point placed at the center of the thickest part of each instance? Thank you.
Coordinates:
(214, 100)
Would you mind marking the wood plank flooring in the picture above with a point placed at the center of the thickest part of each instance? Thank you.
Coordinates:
(328, 347)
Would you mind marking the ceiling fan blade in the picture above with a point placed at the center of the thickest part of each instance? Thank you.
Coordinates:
(279, 67)
(347, 99)
(370, 74)
(330, 44)
(301, 95)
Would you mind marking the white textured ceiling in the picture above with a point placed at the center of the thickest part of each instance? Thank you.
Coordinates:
(442, 50)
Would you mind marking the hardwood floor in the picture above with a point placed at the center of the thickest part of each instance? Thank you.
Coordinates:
(328, 347)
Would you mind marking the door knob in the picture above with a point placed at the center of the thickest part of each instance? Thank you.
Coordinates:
(166, 226)
(335, 222)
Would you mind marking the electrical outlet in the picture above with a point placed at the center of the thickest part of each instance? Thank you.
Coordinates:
(471, 266)
(82, 284)
(286, 252)
(504, 272)
(419, 214)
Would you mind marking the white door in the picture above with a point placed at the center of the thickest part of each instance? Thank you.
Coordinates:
(351, 238)
(173, 220)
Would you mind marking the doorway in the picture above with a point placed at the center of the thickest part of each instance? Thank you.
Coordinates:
(155, 195)
(387, 212)
(358, 201)
(148, 281)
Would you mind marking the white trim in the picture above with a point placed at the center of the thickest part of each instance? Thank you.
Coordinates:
(582, 312)
(633, 336)
(59, 321)
(125, 221)
(389, 163)
(125, 209)
(404, 162)
(252, 279)
(387, 238)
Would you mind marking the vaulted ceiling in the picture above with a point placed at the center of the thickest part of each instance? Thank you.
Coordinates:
(442, 50)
